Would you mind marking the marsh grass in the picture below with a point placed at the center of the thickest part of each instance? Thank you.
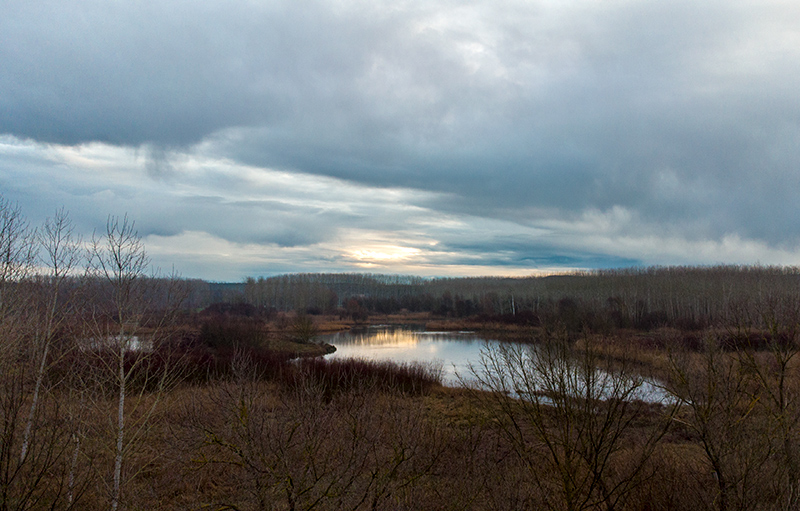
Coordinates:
(342, 375)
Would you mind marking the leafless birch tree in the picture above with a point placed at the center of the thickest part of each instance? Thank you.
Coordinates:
(124, 306)
(33, 443)
(59, 252)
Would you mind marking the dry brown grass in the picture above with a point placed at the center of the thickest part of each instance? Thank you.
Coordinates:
(460, 459)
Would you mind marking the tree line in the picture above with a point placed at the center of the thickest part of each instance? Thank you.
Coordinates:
(645, 298)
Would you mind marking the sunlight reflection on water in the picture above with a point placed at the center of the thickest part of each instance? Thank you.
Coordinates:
(455, 351)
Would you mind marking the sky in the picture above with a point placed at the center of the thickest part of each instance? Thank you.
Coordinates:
(430, 137)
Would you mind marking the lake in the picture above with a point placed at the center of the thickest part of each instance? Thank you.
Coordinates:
(453, 350)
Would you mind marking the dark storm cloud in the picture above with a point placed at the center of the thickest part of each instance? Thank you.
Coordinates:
(673, 119)
(518, 251)
(163, 72)
(684, 113)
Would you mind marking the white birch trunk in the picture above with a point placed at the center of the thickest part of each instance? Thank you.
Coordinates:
(26, 435)
(120, 430)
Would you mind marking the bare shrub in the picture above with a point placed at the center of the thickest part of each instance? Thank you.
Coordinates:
(719, 398)
(575, 412)
(303, 329)
(307, 448)
(221, 332)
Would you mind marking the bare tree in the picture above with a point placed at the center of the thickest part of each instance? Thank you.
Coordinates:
(719, 398)
(60, 252)
(766, 341)
(17, 248)
(33, 445)
(124, 293)
(575, 410)
(17, 257)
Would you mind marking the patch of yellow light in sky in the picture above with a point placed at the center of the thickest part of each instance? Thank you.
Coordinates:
(385, 253)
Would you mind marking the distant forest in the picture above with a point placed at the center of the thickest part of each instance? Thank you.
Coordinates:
(643, 298)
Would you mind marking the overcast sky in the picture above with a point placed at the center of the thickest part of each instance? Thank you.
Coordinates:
(250, 138)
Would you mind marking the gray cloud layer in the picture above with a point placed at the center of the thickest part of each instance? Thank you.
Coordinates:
(676, 120)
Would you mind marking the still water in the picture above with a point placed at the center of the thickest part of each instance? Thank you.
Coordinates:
(455, 351)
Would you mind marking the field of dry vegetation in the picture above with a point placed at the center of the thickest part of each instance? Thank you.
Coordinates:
(114, 395)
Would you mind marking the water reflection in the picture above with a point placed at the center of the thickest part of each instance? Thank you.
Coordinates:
(455, 351)
(381, 336)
